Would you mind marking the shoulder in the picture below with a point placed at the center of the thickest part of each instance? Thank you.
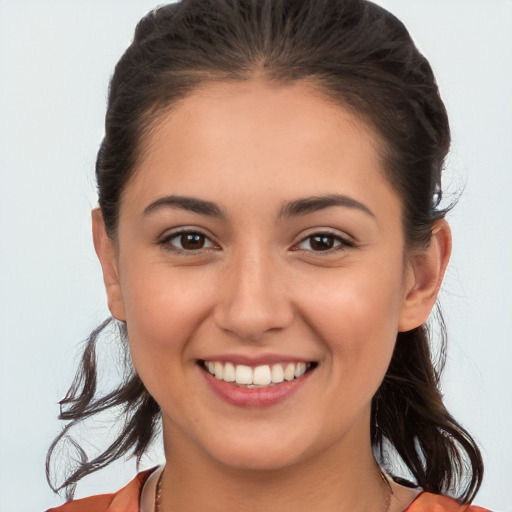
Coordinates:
(124, 500)
(427, 502)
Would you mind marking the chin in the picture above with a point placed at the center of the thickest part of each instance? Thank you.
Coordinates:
(264, 451)
(253, 452)
(258, 460)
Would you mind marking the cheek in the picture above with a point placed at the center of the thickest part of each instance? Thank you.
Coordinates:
(356, 315)
(164, 310)
(162, 302)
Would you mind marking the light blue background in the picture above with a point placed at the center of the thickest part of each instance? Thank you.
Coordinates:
(56, 57)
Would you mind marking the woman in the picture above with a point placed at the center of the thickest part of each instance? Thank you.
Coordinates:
(272, 245)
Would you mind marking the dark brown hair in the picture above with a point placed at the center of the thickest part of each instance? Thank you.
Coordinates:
(361, 56)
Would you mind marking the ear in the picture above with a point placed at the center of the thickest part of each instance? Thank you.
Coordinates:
(424, 277)
(106, 251)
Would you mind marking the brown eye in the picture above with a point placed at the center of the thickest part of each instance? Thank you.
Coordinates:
(187, 241)
(192, 241)
(323, 242)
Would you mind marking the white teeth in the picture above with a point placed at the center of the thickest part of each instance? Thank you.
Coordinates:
(219, 371)
(229, 373)
(259, 376)
(277, 374)
(289, 372)
(262, 375)
(300, 370)
(243, 374)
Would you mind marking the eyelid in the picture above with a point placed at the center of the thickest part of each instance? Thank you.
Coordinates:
(345, 241)
(165, 239)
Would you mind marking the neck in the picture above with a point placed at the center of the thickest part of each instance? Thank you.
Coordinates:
(342, 478)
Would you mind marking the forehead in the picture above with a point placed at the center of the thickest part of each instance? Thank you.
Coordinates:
(301, 106)
(257, 137)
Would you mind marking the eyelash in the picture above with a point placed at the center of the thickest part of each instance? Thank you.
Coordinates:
(341, 242)
(167, 245)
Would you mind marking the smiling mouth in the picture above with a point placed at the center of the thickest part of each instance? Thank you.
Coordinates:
(262, 376)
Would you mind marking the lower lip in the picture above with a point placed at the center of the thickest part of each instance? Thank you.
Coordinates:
(254, 397)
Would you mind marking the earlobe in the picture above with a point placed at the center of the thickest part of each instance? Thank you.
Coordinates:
(427, 268)
(106, 253)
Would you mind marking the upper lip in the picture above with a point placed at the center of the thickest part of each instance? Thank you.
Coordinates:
(255, 360)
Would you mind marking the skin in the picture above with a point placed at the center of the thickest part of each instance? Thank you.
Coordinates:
(259, 287)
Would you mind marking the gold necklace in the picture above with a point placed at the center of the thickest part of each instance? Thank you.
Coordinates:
(158, 492)
(389, 491)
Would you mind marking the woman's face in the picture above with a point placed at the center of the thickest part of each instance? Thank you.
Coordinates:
(258, 237)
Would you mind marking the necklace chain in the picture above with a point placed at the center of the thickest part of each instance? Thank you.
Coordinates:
(389, 492)
(158, 492)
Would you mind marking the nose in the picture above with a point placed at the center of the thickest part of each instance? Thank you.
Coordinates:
(252, 300)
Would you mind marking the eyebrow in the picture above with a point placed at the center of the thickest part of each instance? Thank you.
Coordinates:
(191, 204)
(295, 208)
(316, 203)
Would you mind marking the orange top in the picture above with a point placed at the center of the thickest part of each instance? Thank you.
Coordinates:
(127, 500)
